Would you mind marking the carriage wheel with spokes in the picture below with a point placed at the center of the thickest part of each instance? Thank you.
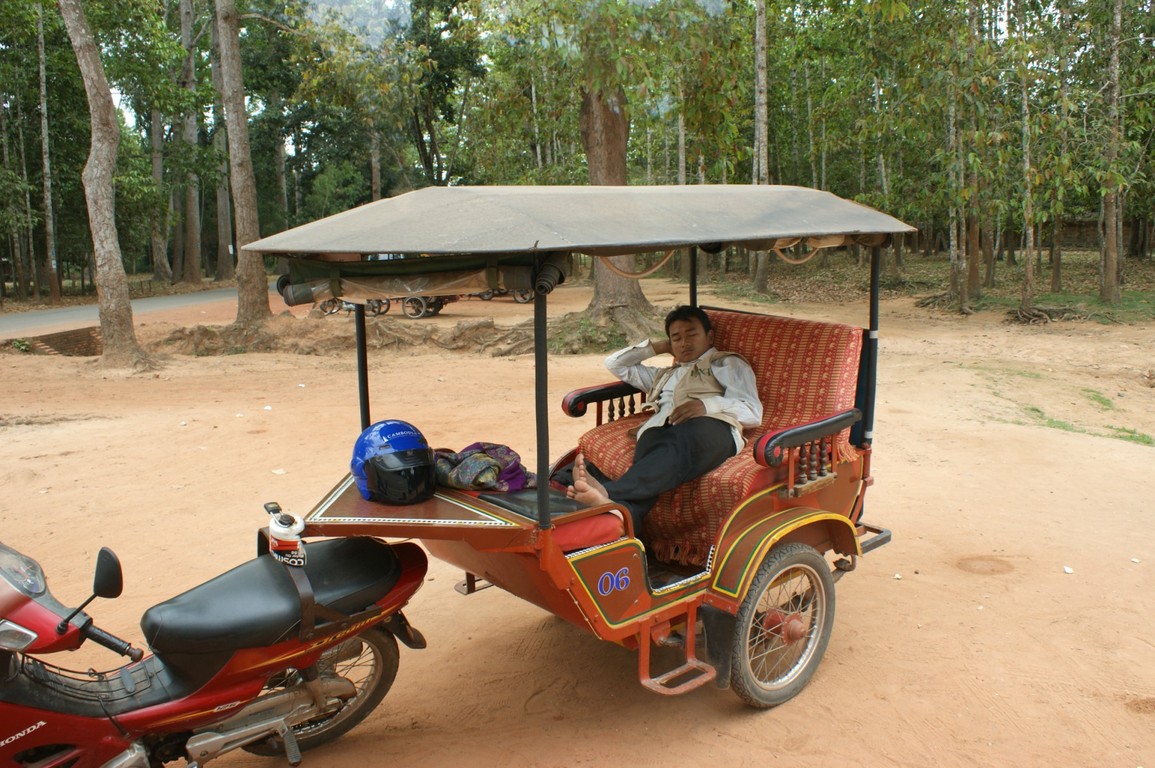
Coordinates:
(415, 306)
(783, 626)
(369, 661)
(330, 306)
(523, 296)
(377, 306)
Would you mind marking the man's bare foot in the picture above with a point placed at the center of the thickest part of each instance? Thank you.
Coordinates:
(585, 489)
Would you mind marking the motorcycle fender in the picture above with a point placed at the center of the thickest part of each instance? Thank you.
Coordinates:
(401, 629)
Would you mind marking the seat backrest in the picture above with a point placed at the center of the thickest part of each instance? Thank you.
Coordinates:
(806, 370)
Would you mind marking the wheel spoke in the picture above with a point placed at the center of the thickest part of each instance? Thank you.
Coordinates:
(774, 659)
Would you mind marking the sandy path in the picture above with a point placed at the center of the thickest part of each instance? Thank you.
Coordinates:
(985, 651)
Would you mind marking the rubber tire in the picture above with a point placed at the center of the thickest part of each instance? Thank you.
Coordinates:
(415, 307)
(485, 295)
(330, 306)
(377, 306)
(753, 688)
(523, 296)
(379, 648)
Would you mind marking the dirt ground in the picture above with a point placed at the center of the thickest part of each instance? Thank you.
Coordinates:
(1010, 622)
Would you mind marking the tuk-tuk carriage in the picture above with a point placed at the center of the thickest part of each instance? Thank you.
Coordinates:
(737, 568)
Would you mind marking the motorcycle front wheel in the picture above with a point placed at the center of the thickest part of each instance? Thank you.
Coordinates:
(369, 661)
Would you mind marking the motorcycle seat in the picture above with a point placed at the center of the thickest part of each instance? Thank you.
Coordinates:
(257, 604)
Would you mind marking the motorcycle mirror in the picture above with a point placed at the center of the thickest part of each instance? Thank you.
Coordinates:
(108, 582)
(109, 579)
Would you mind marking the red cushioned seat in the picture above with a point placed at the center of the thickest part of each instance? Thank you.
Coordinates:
(806, 371)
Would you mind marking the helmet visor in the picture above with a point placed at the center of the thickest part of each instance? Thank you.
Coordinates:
(404, 477)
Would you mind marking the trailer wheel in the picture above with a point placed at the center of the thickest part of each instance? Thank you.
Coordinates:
(783, 626)
(523, 296)
(377, 306)
(415, 307)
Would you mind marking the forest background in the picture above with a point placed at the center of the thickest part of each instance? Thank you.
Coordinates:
(997, 127)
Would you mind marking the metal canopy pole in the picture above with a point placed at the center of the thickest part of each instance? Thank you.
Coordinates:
(693, 275)
(871, 357)
(541, 404)
(362, 365)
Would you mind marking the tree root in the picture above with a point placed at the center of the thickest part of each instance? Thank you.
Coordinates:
(937, 301)
(1041, 315)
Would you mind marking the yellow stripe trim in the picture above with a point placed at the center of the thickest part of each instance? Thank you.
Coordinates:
(768, 541)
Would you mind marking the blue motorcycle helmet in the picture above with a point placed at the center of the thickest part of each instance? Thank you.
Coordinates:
(393, 464)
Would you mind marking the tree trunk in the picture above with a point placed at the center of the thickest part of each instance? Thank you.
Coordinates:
(27, 271)
(1027, 298)
(120, 345)
(225, 267)
(191, 266)
(761, 281)
(537, 149)
(374, 165)
(252, 284)
(813, 150)
(19, 284)
(158, 230)
(49, 268)
(957, 280)
(989, 244)
(1109, 288)
(605, 129)
(973, 250)
(1057, 255)
(281, 195)
(1064, 151)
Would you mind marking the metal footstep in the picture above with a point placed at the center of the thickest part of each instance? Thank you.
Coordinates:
(699, 671)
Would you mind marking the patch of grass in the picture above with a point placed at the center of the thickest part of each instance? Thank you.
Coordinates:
(1132, 436)
(1042, 419)
(1038, 416)
(22, 345)
(1099, 399)
(992, 371)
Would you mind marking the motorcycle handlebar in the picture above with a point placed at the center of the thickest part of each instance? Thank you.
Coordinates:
(112, 642)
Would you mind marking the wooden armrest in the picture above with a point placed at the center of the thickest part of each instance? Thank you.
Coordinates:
(576, 401)
(772, 448)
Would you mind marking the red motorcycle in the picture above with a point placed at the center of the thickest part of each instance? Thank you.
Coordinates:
(281, 654)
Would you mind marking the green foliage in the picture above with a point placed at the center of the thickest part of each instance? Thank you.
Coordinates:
(1041, 418)
(863, 97)
(1132, 436)
(1099, 399)
(336, 188)
(22, 345)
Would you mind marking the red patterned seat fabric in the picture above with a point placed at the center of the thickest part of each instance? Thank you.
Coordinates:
(806, 371)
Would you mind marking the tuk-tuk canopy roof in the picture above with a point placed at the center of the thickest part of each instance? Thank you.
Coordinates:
(601, 221)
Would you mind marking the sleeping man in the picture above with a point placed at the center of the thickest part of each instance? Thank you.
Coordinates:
(701, 405)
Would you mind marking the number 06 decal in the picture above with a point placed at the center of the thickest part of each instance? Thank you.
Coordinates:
(613, 582)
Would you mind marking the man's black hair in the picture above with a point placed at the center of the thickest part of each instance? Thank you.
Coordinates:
(686, 312)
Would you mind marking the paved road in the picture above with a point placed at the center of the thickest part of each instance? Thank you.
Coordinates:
(15, 325)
